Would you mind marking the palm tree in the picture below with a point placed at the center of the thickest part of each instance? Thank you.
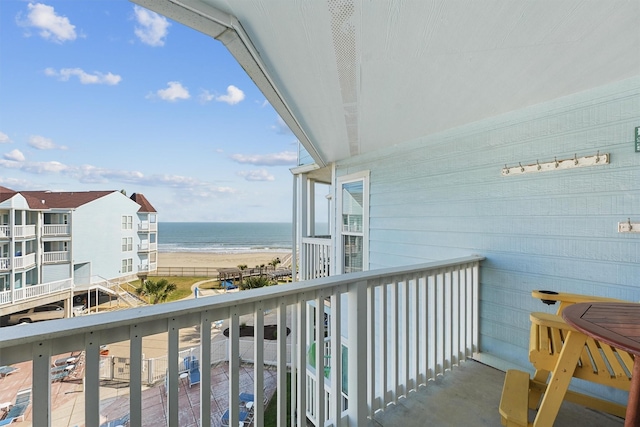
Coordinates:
(156, 291)
(274, 262)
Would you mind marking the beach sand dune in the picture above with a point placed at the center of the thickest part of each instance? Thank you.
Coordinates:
(220, 260)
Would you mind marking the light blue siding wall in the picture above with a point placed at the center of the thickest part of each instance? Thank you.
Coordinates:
(55, 272)
(98, 233)
(443, 196)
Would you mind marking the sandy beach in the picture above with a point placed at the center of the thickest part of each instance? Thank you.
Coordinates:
(220, 260)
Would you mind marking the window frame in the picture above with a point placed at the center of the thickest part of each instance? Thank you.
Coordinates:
(340, 232)
(127, 222)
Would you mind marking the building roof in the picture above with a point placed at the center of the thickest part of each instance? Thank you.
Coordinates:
(63, 200)
(145, 206)
(6, 193)
(354, 76)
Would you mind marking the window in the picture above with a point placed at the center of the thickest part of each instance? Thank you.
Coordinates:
(127, 244)
(127, 265)
(127, 222)
(353, 206)
(152, 237)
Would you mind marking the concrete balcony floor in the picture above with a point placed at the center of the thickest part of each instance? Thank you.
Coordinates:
(467, 395)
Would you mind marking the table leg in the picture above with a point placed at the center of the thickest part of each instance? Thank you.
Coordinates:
(632, 417)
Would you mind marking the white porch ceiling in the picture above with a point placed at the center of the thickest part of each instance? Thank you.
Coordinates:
(354, 76)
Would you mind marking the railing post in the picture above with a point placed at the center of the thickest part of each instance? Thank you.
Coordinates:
(357, 385)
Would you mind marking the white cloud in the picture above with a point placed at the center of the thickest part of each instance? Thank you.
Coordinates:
(152, 28)
(233, 96)
(15, 155)
(41, 143)
(285, 158)
(4, 138)
(52, 27)
(173, 92)
(257, 175)
(206, 96)
(85, 78)
(187, 186)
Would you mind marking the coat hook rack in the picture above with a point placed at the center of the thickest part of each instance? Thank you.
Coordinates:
(628, 226)
(555, 164)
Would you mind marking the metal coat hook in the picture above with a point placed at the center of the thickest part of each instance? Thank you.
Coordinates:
(555, 165)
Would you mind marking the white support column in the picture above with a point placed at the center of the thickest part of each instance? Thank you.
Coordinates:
(384, 337)
(281, 379)
(234, 366)
(394, 365)
(258, 365)
(311, 207)
(336, 357)
(205, 369)
(302, 361)
(406, 344)
(357, 297)
(304, 204)
(135, 376)
(91, 380)
(319, 338)
(295, 229)
(42, 383)
(172, 368)
(417, 332)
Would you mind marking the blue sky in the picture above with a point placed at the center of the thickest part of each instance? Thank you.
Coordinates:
(106, 95)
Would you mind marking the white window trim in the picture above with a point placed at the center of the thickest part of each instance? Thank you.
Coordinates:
(337, 226)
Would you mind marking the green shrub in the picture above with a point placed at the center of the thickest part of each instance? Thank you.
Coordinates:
(253, 282)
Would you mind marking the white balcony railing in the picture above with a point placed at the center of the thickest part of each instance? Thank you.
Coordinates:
(7, 297)
(147, 247)
(56, 230)
(56, 256)
(148, 267)
(5, 264)
(315, 254)
(147, 226)
(5, 231)
(401, 326)
(25, 261)
(24, 231)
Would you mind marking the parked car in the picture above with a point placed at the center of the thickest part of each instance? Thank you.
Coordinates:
(35, 314)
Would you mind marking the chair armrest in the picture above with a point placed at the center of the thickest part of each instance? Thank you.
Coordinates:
(566, 299)
(549, 320)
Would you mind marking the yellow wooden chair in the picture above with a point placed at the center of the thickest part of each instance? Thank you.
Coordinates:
(558, 350)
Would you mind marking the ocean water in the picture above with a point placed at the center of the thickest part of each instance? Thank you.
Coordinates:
(224, 237)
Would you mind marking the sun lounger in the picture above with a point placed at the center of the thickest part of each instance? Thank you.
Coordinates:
(247, 400)
(58, 373)
(120, 422)
(244, 418)
(23, 400)
(194, 372)
(7, 370)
